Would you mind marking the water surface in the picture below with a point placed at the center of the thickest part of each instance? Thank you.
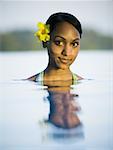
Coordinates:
(26, 115)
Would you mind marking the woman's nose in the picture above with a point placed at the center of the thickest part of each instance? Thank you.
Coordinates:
(67, 49)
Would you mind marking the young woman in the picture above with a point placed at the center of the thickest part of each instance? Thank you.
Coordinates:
(61, 36)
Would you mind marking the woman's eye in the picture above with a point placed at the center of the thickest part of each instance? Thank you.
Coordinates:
(59, 43)
(75, 44)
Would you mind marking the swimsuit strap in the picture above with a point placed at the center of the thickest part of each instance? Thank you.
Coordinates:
(39, 77)
(74, 77)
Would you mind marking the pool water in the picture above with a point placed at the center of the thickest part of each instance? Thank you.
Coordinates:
(31, 114)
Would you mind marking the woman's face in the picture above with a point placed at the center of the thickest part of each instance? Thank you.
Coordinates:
(63, 46)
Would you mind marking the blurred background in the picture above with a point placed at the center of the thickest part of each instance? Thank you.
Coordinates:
(18, 20)
(24, 107)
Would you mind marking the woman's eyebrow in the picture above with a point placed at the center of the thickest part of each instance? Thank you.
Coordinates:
(60, 37)
(77, 39)
(65, 39)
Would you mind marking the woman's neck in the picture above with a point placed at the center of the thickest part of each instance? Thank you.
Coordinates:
(52, 73)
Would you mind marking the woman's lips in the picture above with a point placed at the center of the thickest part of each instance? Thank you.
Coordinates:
(64, 61)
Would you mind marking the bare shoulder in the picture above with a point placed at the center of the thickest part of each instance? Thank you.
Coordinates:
(79, 77)
(32, 78)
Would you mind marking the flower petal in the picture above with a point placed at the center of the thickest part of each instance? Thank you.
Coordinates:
(43, 32)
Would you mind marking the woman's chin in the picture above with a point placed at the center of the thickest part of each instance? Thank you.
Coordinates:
(63, 67)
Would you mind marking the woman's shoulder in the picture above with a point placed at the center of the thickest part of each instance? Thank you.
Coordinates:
(33, 78)
(77, 77)
(36, 77)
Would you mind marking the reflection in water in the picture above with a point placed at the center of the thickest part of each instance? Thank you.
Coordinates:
(63, 109)
(63, 112)
(75, 134)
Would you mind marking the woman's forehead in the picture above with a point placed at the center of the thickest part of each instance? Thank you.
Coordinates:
(66, 29)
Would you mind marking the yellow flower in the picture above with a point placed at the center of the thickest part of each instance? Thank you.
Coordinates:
(43, 32)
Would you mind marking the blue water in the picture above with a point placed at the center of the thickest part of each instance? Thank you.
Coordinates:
(25, 107)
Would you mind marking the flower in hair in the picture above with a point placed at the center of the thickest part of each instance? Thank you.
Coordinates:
(43, 32)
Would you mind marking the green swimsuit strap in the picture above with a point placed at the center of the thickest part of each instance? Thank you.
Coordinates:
(74, 77)
(40, 76)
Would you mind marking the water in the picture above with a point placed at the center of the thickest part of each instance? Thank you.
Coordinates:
(25, 106)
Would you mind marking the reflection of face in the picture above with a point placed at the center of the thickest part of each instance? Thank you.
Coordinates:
(64, 45)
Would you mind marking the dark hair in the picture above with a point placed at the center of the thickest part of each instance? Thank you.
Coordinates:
(61, 17)
(56, 18)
